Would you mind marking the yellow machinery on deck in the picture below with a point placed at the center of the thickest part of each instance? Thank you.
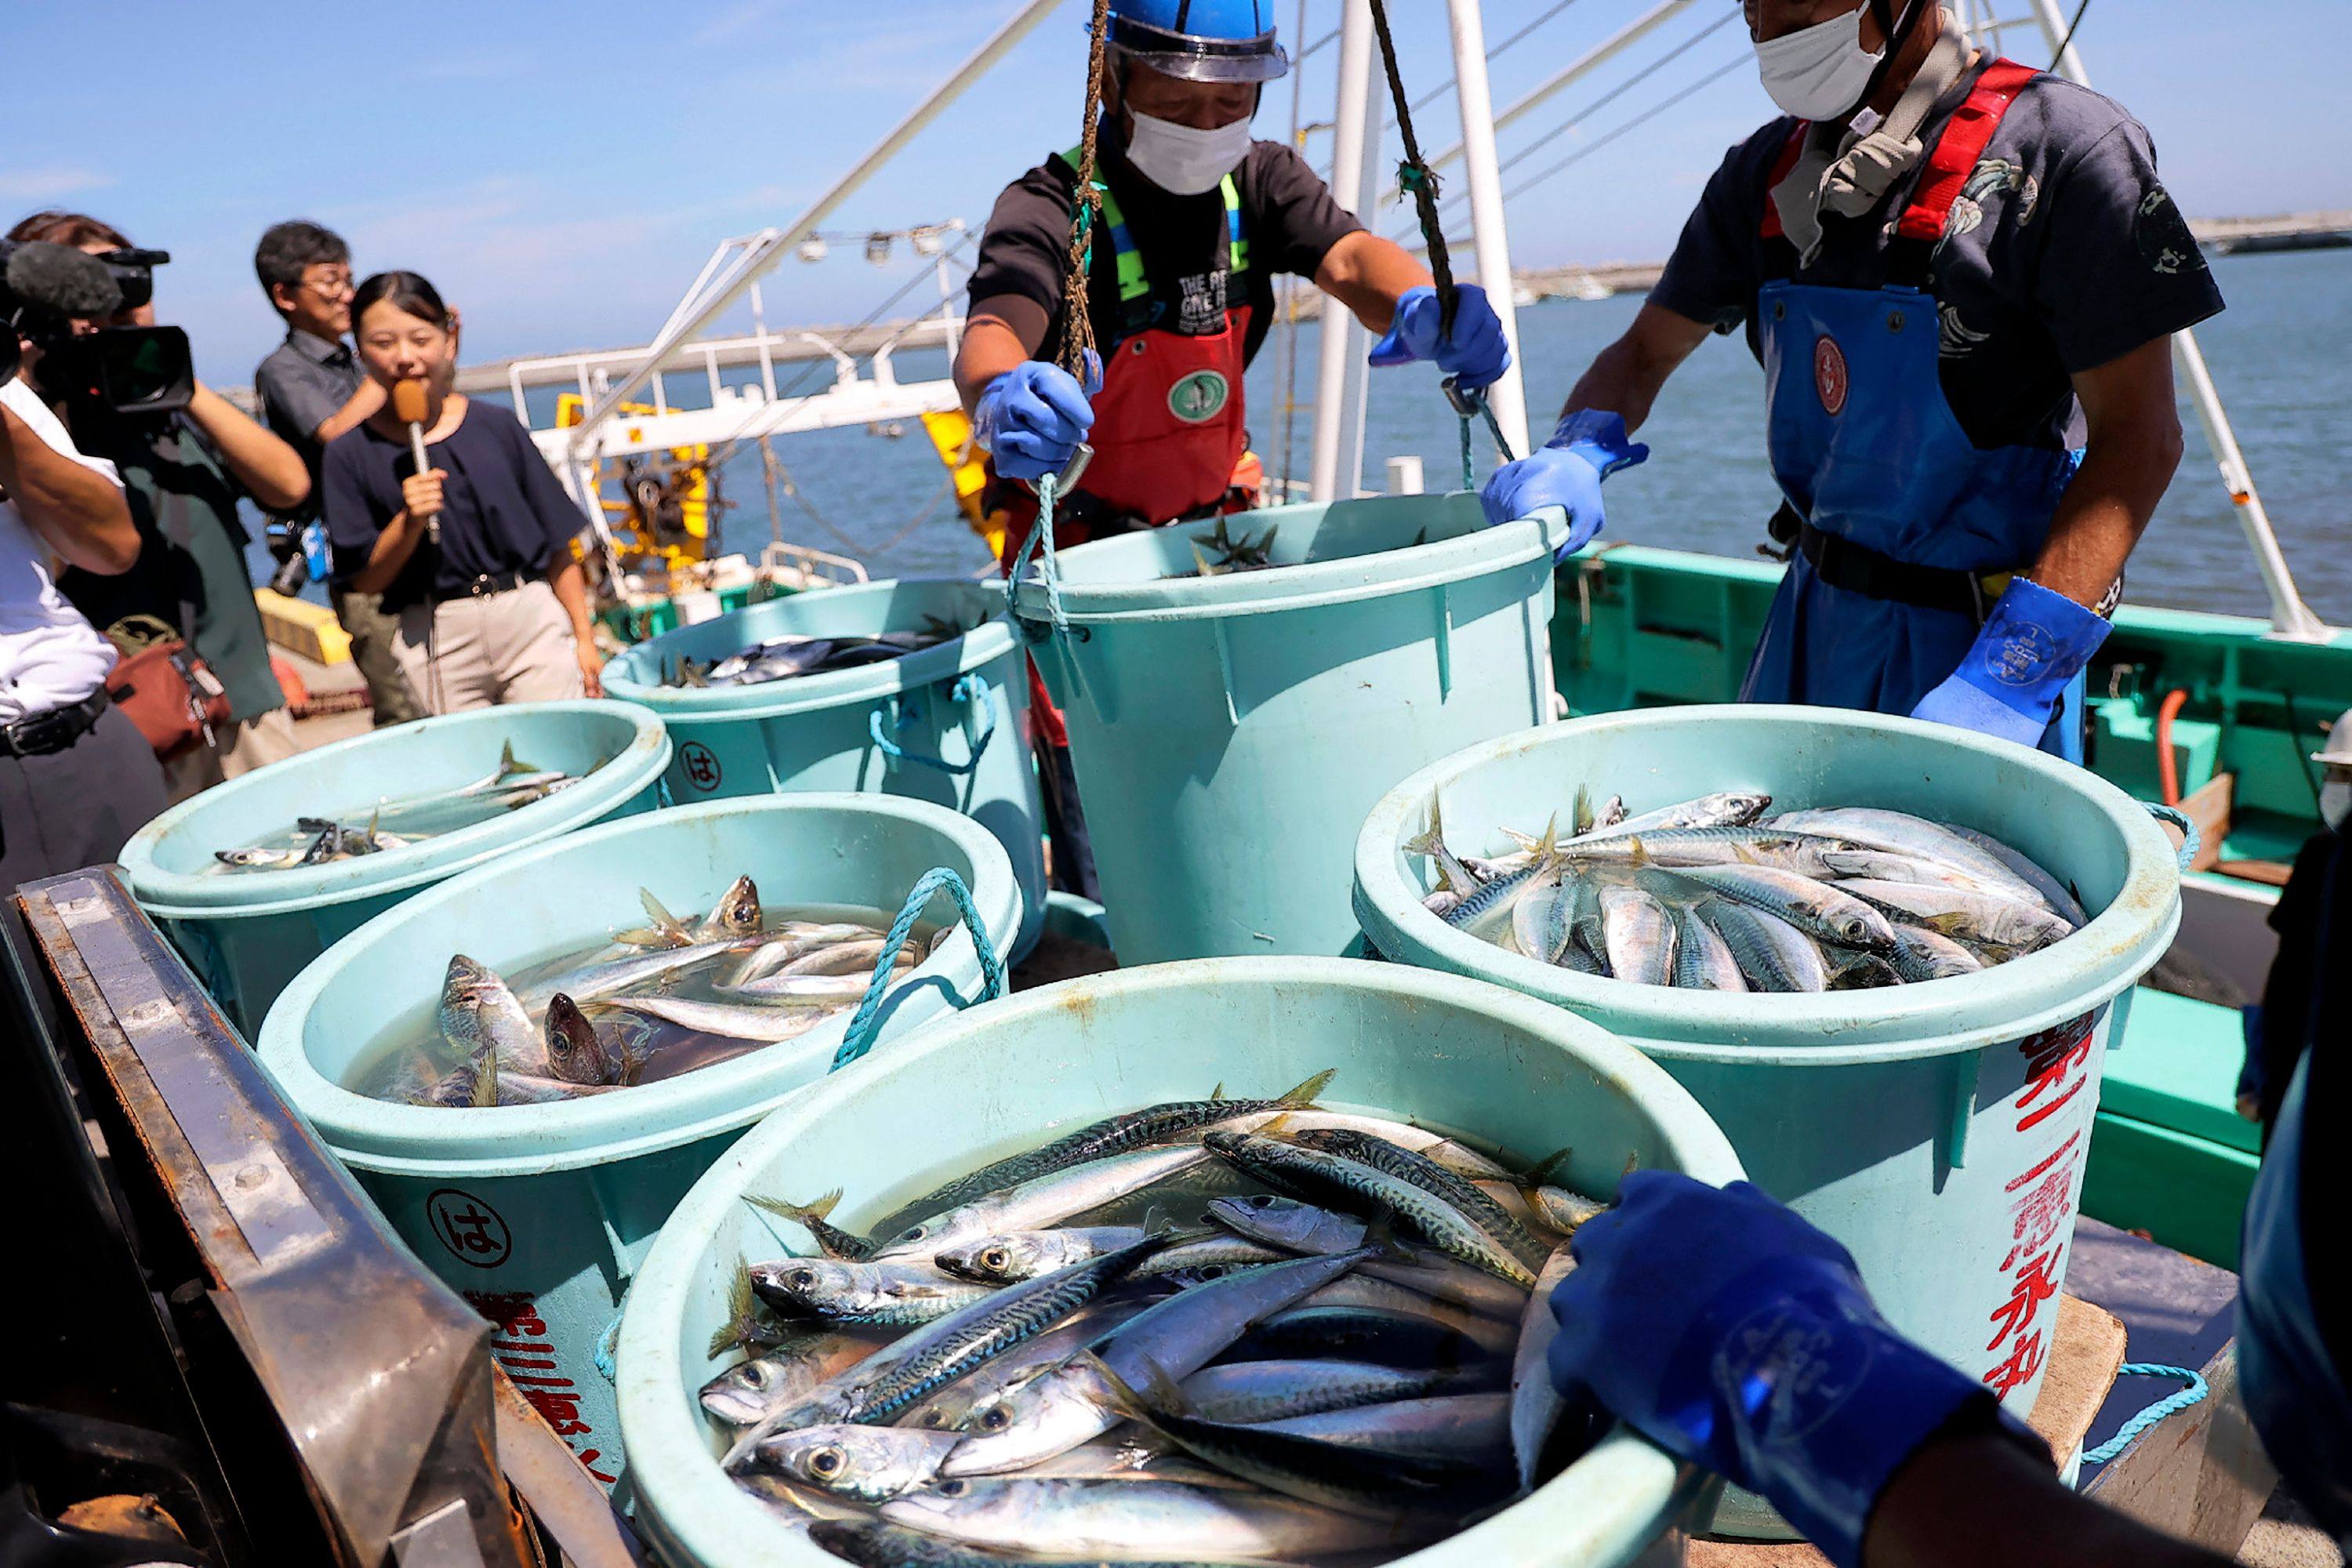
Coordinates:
(665, 514)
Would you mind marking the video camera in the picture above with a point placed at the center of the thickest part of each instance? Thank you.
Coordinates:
(45, 289)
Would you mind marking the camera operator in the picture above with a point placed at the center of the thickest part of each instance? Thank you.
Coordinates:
(313, 388)
(76, 776)
(183, 472)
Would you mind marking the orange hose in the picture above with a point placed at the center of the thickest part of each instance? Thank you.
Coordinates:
(2167, 774)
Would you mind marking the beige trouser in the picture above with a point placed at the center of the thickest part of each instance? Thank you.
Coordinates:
(515, 647)
(372, 633)
(236, 750)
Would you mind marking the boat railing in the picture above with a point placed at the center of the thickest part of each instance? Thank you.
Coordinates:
(805, 566)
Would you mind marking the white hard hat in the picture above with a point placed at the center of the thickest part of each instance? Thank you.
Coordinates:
(2337, 752)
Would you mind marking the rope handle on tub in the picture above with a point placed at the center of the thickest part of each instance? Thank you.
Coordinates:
(858, 1038)
(2170, 1405)
(1039, 547)
(2191, 843)
(970, 690)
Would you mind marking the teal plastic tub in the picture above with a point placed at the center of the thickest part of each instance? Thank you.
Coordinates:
(1230, 732)
(1451, 1053)
(1939, 1130)
(949, 724)
(540, 1215)
(247, 933)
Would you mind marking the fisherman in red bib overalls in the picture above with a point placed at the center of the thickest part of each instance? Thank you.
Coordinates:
(1197, 220)
(1961, 277)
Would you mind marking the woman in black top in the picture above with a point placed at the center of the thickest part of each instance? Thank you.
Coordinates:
(494, 607)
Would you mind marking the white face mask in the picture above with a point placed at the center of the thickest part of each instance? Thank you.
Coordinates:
(1184, 161)
(1817, 72)
(2336, 802)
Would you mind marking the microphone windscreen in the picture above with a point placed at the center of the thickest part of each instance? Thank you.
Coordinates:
(63, 280)
(408, 401)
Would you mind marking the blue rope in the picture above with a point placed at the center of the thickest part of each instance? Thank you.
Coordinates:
(967, 688)
(2154, 1412)
(2188, 826)
(1039, 547)
(1472, 404)
(608, 1346)
(858, 1038)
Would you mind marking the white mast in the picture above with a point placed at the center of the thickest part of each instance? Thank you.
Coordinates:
(1507, 397)
(2290, 618)
(1339, 470)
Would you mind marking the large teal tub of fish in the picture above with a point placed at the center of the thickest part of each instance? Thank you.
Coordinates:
(1229, 731)
(540, 1215)
(1510, 1077)
(1938, 1129)
(248, 932)
(947, 723)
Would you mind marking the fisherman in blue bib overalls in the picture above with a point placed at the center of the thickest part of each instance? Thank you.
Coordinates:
(1961, 277)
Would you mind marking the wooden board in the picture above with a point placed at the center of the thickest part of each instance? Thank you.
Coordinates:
(2200, 1475)
(2085, 1351)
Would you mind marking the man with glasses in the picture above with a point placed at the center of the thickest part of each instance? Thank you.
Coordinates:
(313, 389)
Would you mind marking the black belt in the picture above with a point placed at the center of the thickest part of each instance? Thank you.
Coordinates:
(1858, 569)
(45, 733)
(486, 583)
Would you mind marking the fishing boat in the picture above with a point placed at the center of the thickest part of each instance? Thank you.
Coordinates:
(307, 1392)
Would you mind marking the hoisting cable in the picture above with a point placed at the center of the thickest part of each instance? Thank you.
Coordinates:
(1079, 356)
(1415, 176)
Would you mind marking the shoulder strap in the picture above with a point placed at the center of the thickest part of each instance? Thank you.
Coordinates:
(1133, 283)
(1963, 141)
(1790, 151)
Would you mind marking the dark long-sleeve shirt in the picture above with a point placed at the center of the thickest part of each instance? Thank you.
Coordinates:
(503, 510)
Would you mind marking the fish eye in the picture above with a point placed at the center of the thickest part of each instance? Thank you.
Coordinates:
(1213, 1271)
(802, 1279)
(993, 1420)
(912, 1233)
(755, 1373)
(951, 1488)
(934, 1419)
(1263, 1201)
(826, 1462)
(994, 1258)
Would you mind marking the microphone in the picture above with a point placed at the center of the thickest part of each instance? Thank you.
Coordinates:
(408, 407)
(62, 280)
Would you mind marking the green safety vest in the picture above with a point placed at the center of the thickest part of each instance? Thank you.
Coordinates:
(1134, 285)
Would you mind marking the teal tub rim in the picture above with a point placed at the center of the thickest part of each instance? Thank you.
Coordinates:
(531, 1140)
(669, 1446)
(1846, 1029)
(180, 895)
(976, 649)
(1308, 585)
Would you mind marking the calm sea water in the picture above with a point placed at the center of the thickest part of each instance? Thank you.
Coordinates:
(2282, 355)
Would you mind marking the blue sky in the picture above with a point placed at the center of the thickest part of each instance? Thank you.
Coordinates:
(560, 172)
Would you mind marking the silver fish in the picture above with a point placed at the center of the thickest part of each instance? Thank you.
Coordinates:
(1728, 809)
(737, 1021)
(478, 1008)
(1466, 1426)
(1905, 834)
(1773, 954)
(2054, 895)
(1703, 960)
(1640, 935)
(750, 1392)
(841, 1290)
(1536, 1402)
(1275, 1390)
(252, 858)
(593, 982)
(1048, 1200)
(1923, 954)
(1817, 908)
(1125, 1522)
(1979, 917)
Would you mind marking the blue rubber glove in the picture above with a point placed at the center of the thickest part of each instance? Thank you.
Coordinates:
(2033, 643)
(1566, 471)
(1735, 1335)
(1032, 419)
(1474, 353)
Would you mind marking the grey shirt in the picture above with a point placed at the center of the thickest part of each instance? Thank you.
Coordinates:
(2062, 252)
(302, 384)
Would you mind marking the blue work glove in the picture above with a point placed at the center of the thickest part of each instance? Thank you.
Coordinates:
(2033, 643)
(1566, 471)
(1733, 1334)
(1474, 353)
(1032, 419)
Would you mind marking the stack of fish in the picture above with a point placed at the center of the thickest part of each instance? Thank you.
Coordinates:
(1219, 553)
(799, 653)
(1714, 895)
(393, 823)
(655, 1003)
(1338, 1350)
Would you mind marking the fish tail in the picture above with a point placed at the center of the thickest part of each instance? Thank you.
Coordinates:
(1219, 1092)
(1541, 1172)
(485, 1081)
(799, 1214)
(1379, 1234)
(1580, 821)
(1306, 1094)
